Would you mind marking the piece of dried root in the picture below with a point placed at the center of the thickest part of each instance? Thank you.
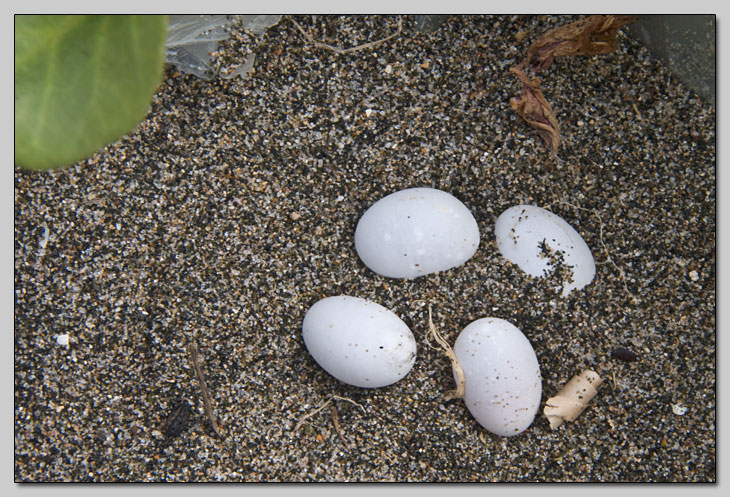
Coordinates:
(207, 402)
(533, 108)
(458, 393)
(308, 36)
(333, 412)
(572, 400)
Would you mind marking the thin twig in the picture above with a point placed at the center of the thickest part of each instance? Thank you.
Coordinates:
(310, 414)
(193, 350)
(341, 51)
(337, 397)
(336, 422)
(325, 404)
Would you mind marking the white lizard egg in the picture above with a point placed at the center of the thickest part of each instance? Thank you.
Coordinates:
(359, 342)
(503, 382)
(539, 241)
(415, 232)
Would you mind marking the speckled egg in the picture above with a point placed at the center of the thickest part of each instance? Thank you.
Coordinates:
(414, 232)
(503, 382)
(540, 242)
(359, 342)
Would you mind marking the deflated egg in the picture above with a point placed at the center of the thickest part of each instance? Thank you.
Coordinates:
(540, 242)
(502, 375)
(359, 342)
(415, 232)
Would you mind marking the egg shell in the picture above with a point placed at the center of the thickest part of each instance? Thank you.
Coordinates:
(359, 342)
(503, 382)
(414, 232)
(521, 232)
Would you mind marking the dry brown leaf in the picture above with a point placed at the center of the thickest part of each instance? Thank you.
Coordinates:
(532, 106)
(593, 35)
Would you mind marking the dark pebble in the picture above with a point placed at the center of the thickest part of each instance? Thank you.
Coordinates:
(625, 355)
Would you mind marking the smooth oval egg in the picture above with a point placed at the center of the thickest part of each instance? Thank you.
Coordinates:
(503, 382)
(359, 342)
(414, 232)
(539, 241)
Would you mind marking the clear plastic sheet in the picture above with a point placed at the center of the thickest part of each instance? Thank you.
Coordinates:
(192, 38)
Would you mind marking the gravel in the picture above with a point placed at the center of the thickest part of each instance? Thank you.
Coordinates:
(231, 209)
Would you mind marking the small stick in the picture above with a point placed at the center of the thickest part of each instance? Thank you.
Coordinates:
(336, 422)
(458, 393)
(339, 50)
(325, 404)
(310, 414)
(193, 350)
(352, 402)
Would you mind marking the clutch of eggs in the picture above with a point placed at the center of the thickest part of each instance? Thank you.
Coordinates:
(537, 241)
(414, 232)
(502, 375)
(359, 342)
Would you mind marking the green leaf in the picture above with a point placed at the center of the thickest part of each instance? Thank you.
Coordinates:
(82, 82)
